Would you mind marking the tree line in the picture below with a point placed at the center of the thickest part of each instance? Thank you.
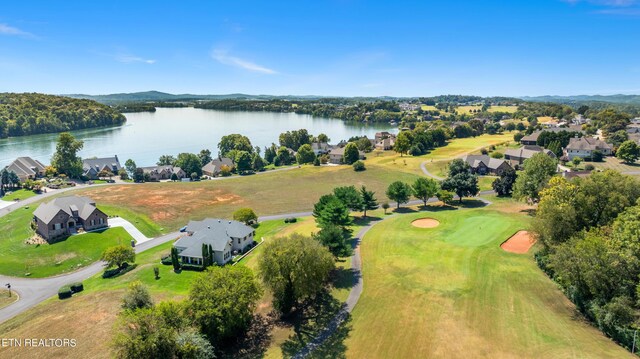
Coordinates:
(32, 113)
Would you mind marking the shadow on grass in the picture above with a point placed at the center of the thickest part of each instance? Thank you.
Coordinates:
(472, 203)
(365, 221)
(320, 329)
(342, 278)
(531, 212)
(404, 210)
(254, 342)
(117, 272)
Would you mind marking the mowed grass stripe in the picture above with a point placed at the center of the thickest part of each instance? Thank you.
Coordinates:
(449, 292)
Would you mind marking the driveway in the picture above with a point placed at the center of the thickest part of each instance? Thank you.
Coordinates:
(129, 227)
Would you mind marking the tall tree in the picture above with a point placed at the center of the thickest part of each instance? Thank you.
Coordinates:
(460, 180)
(351, 153)
(537, 171)
(130, 166)
(369, 201)
(222, 301)
(243, 161)
(331, 211)
(189, 163)
(628, 152)
(234, 142)
(66, 159)
(399, 192)
(294, 268)
(305, 154)
(403, 143)
(504, 184)
(166, 160)
(205, 156)
(350, 196)
(425, 188)
(336, 239)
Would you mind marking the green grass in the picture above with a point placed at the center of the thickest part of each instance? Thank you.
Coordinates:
(5, 299)
(143, 223)
(18, 258)
(19, 195)
(451, 292)
(612, 163)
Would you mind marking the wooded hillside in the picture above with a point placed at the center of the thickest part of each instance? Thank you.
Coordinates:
(31, 113)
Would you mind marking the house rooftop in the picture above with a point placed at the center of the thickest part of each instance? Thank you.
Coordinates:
(215, 232)
(84, 206)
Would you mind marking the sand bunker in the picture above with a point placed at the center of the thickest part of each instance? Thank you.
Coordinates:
(425, 223)
(518, 243)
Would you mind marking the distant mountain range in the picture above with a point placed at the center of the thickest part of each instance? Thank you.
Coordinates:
(157, 96)
(622, 99)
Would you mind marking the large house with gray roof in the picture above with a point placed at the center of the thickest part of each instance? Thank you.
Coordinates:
(223, 237)
(26, 168)
(517, 156)
(157, 173)
(483, 164)
(212, 169)
(65, 215)
(91, 167)
(584, 147)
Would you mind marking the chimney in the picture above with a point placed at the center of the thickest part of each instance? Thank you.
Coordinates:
(208, 227)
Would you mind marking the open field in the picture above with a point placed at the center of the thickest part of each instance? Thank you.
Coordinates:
(172, 205)
(509, 109)
(18, 258)
(545, 119)
(18, 195)
(612, 163)
(451, 292)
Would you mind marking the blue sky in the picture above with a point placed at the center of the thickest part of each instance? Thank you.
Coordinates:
(341, 47)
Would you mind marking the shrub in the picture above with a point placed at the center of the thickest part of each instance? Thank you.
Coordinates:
(136, 297)
(589, 167)
(225, 171)
(195, 267)
(110, 273)
(290, 220)
(166, 260)
(65, 292)
(496, 155)
(359, 166)
(77, 287)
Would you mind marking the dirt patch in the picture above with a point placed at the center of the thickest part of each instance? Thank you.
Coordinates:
(425, 223)
(519, 243)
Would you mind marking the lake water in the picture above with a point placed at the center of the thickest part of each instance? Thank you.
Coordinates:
(148, 135)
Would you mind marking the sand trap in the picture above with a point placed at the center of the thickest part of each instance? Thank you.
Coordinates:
(518, 243)
(425, 223)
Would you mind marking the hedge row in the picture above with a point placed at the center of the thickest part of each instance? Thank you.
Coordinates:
(68, 290)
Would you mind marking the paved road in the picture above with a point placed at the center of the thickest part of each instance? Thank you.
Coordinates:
(129, 227)
(427, 173)
(352, 300)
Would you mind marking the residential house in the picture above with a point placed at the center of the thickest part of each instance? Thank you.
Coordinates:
(336, 154)
(320, 148)
(26, 168)
(223, 237)
(158, 173)
(483, 164)
(530, 140)
(91, 167)
(584, 147)
(384, 140)
(212, 169)
(65, 215)
(516, 156)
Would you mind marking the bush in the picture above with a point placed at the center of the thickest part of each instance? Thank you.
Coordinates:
(359, 166)
(110, 273)
(589, 167)
(496, 155)
(65, 292)
(195, 267)
(166, 260)
(290, 220)
(76, 287)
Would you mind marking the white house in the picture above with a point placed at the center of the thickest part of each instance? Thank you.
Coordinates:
(585, 146)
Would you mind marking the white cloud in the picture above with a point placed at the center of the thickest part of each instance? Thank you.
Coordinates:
(127, 59)
(13, 31)
(223, 57)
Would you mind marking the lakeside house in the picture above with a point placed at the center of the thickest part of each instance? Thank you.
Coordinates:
(223, 237)
(212, 169)
(336, 154)
(157, 173)
(516, 156)
(584, 147)
(320, 148)
(384, 140)
(91, 167)
(26, 168)
(65, 215)
(483, 164)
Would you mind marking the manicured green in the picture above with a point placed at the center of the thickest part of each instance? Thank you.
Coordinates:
(18, 258)
(451, 291)
(19, 195)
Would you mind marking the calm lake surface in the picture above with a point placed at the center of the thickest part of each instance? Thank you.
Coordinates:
(146, 136)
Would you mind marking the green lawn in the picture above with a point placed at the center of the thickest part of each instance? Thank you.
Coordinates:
(19, 195)
(612, 163)
(139, 220)
(451, 292)
(5, 299)
(18, 258)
